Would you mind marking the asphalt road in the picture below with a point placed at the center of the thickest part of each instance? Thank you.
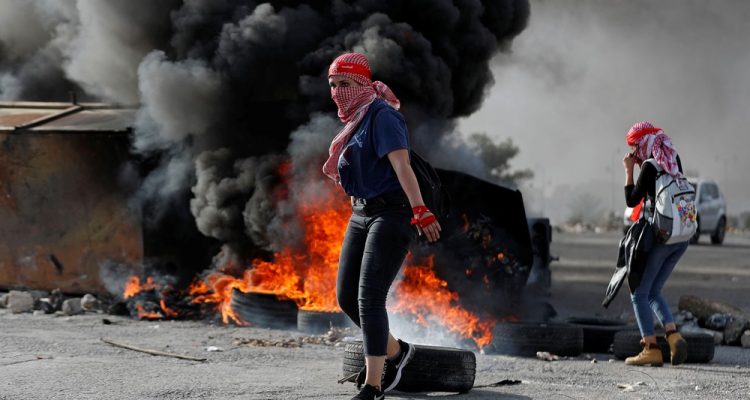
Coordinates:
(587, 262)
(56, 357)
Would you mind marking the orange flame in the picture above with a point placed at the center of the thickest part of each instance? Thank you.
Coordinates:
(168, 311)
(133, 286)
(422, 294)
(218, 289)
(305, 274)
(143, 314)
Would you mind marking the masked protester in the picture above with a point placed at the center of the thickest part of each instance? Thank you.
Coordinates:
(648, 142)
(369, 159)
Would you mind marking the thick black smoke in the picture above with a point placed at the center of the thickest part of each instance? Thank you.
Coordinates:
(222, 85)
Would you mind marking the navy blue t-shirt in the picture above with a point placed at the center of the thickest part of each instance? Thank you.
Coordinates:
(363, 166)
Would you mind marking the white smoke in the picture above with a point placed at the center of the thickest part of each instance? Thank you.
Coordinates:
(584, 71)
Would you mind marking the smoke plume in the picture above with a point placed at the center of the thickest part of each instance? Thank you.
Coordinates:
(228, 91)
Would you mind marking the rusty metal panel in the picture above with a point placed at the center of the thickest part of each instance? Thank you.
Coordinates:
(62, 212)
(114, 120)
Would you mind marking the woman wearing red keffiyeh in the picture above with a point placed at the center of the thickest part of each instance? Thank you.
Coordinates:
(649, 142)
(369, 159)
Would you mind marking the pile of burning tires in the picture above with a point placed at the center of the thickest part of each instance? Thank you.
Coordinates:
(268, 311)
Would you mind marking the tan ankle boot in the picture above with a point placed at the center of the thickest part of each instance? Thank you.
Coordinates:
(651, 354)
(677, 348)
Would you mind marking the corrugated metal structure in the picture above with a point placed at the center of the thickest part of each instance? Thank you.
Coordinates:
(63, 214)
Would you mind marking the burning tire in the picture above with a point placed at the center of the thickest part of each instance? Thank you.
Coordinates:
(433, 369)
(598, 333)
(317, 322)
(700, 346)
(264, 310)
(526, 339)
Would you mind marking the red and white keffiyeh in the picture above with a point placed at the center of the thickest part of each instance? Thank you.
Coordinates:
(353, 103)
(652, 141)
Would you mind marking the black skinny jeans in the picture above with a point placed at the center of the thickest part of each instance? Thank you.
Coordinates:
(376, 242)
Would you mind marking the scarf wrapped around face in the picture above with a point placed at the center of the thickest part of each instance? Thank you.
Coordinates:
(353, 103)
(653, 142)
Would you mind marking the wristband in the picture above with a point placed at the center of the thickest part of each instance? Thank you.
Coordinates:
(423, 222)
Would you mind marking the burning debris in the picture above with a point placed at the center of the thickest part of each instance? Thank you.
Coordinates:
(426, 297)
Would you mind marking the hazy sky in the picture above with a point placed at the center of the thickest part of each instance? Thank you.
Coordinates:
(584, 71)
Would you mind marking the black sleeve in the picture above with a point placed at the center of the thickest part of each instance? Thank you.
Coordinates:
(646, 179)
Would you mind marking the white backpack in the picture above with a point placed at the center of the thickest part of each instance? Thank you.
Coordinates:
(675, 218)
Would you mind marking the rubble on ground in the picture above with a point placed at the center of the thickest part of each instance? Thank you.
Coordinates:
(90, 303)
(334, 337)
(72, 307)
(41, 302)
(725, 322)
(20, 302)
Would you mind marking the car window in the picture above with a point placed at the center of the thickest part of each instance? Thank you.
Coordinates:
(709, 191)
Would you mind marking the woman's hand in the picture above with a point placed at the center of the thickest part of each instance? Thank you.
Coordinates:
(629, 162)
(426, 223)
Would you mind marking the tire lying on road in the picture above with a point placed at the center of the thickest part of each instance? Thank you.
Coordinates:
(433, 369)
(264, 310)
(598, 333)
(526, 339)
(700, 346)
(317, 322)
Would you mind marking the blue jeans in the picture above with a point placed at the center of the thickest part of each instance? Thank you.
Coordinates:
(647, 296)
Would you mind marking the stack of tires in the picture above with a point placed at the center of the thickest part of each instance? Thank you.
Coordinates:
(701, 346)
(266, 310)
(526, 339)
(317, 322)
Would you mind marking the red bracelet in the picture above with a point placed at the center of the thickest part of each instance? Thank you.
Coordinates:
(419, 212)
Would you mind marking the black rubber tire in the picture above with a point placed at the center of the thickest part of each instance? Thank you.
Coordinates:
(265, 310)
(433, 369)
(526, 339)
(598, 333)
(317, 322)
(700, 346)
(717, 237)
(697, 236)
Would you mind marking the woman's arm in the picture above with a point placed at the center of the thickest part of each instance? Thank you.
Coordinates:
(400, 161)
(637, 191)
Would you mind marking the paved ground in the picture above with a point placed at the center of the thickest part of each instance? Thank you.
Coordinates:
(587, 262)
(52, 357)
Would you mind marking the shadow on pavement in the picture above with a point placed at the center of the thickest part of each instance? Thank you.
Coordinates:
(472, 395)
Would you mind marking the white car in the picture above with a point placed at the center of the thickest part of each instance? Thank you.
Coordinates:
(710, 206)
(712, 210)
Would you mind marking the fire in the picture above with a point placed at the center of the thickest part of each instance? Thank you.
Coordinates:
(133, 286)
(143, 314)
(168, 311)
(422, 294)
(305, 274)
(218, 289)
